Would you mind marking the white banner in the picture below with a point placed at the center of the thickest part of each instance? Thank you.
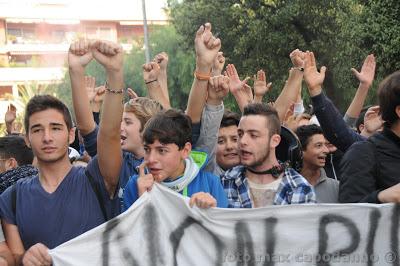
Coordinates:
(161, 229)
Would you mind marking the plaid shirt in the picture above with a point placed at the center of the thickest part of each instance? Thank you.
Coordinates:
(293, 189)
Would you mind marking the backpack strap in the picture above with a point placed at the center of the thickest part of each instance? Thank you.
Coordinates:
(14, 200)
(96, 190)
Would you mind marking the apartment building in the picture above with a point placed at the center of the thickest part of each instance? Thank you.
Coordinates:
(35, 35)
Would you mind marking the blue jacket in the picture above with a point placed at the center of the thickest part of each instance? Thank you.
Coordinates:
(203, 182)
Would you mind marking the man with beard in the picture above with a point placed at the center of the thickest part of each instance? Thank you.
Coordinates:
(261, 180)
(315, 151)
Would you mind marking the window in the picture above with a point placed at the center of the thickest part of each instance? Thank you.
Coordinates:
(102, 33)
(58, 36)
(20, 35)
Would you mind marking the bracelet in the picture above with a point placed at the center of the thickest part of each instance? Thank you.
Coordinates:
(299, 68)
(113, 91)
(148, 82)
(202, 76)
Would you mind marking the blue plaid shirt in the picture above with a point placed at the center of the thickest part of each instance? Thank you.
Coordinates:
(293, 189)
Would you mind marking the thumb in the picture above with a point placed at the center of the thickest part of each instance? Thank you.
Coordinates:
(355, 72)
(323, 70)
(244, 82)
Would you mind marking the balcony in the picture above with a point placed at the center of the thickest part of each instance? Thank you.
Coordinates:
(43, 48)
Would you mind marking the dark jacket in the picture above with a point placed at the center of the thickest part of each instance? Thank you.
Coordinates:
(369, 167)
(332, 123)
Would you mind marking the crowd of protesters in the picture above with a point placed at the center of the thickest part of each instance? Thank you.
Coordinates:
(62, 178)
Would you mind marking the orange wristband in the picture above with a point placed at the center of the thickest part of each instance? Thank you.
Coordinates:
(202, 76)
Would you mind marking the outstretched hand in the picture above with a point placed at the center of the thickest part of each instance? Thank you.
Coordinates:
(313, 78)
(235, 84)
(260, 85)
(11, 114)
(367, 73)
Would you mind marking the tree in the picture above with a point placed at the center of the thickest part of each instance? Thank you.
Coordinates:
(261, 34)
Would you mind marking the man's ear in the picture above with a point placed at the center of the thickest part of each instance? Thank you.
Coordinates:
(11, 163)
(361, 127)
(398, 111)
(186, 150)
(71, 136)
(275, 140)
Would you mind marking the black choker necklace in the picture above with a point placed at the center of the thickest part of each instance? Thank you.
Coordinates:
(275, 171)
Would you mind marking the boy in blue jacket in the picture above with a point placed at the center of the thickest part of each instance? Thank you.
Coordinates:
(170, 161)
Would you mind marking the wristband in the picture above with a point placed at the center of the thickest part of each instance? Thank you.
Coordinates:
(202, 76)
(113, 91)
(148, 82)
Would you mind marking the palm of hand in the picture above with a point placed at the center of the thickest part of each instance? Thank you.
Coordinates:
(260, 87)
(234, 83)
(366, 75)
(10, 116)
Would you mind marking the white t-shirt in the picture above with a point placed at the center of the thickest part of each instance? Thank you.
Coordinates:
(263, 195)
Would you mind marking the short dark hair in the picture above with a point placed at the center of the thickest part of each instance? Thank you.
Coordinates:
(171, 126)
(360, 119)
(40, 103)
(14, 146)
(269, 112)
(389, 98)
(306, 132)
(230, 119)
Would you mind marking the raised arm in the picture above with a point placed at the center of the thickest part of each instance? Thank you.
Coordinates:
(207, 47)
(9, 118)
(366, 77)
(162, 60)
(211, 118)
(260, 86)
(110, 56)
(79, 55)
(332, 123)
(291, 89)
(151, 76)
(239, 88)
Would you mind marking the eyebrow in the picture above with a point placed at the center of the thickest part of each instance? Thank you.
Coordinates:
(51, 124)
(252, 131)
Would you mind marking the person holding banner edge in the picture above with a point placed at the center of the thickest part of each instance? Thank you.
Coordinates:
(169, 160)
(30, 231)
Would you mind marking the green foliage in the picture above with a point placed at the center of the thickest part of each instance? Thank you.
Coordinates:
(261, 34)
